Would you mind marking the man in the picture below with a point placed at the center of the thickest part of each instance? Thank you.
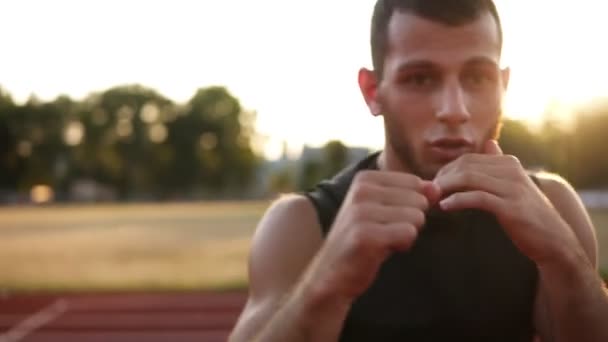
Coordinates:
(440, 236)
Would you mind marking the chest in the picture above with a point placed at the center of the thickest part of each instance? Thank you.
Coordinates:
(462, 278)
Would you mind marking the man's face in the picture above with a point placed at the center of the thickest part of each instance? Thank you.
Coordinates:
(441, 90)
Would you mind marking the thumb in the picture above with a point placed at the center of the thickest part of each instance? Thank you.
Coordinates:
(492, 147)
(432, 192)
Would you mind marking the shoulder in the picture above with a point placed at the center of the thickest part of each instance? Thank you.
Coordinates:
(564, 198)
(285, 240)
(327, 195)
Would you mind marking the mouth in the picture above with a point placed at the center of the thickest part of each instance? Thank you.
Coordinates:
(449, 149)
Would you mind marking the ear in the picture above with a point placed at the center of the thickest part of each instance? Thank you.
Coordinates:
(505, 75)
(368, 84)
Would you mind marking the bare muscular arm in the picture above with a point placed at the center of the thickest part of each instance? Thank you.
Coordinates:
(285, 241)
(302, 286)
(572, 304)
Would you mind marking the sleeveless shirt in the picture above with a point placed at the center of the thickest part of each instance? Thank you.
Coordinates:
(462, 280)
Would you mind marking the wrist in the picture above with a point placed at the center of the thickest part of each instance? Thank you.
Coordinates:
(563, 252)
(567, 264)
(316, 314)
(319, 299)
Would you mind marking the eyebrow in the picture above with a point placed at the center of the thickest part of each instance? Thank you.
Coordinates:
(416, 64)
(481, 61)
(425, 64)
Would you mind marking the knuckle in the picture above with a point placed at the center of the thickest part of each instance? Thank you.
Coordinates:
(441, 171)
(359, 238)
(358, 179)
(467, 178)
(466, 158)
(415, 181)
(456, 197)
(510, 212)
(415, 200)
(483, 198)
(362, 176)
(522, 176)
(406, 236)
(418, 218)
(360, 212)
(410, 232)
(517, 207)
(359, 176)
(360, 191)
(409, 181)
(519, 190)
(422, 201)
(513, 160)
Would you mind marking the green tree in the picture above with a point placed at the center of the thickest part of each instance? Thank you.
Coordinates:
(311, 172)
(35, 131)
(335, 157)
(517, 139)
(332, 159)
(212, 143)
(587, 151)
(282, 181)
(557, 144)
(130, 138)
(120, 146)
(11, 166)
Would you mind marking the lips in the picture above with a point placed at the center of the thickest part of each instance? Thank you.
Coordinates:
(448, 149)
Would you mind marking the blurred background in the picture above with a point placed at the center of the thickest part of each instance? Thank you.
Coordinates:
(141, 141)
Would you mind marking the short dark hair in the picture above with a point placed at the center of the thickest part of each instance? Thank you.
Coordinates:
(450, 12)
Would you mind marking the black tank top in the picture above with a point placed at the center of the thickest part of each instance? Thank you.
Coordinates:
(463, 280)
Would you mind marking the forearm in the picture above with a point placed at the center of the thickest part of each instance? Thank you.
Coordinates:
(576, 298)
(309, 314)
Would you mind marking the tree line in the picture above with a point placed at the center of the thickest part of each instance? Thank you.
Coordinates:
(131, 139)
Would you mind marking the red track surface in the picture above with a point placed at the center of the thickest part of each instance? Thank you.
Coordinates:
(181, 317)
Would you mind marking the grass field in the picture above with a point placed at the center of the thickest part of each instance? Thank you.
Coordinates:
(158, 246)
(152, 246)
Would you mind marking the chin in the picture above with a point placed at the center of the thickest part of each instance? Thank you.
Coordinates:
(429, 172)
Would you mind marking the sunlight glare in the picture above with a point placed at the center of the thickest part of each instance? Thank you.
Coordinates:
(297, 70)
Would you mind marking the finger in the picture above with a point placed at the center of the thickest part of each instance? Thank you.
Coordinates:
(492, 147)
(472, 180)
(432, 192)
(472, 200)
(474, 160)
(390, 179)
(390, 196)
(387, 215)
(398, 236)
(495, 170)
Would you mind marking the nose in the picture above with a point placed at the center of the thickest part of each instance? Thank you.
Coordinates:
(452, 107)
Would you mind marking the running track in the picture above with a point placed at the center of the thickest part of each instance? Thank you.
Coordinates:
(167, 317)
(133, 317)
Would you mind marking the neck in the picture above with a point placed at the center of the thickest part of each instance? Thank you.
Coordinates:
(388, 161)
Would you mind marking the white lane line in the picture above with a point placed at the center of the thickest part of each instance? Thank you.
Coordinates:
(35, 321)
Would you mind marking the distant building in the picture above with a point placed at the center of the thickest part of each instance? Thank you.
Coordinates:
(88, 190)
(316, 153)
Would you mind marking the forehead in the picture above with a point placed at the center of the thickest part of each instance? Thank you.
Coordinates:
(414, 38)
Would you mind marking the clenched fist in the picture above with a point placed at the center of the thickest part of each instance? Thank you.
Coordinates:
(382, 213)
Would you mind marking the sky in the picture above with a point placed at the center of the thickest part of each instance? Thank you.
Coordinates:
(294, 62)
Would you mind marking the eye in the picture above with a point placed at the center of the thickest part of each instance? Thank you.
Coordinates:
(479, 78)
(420, 80)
